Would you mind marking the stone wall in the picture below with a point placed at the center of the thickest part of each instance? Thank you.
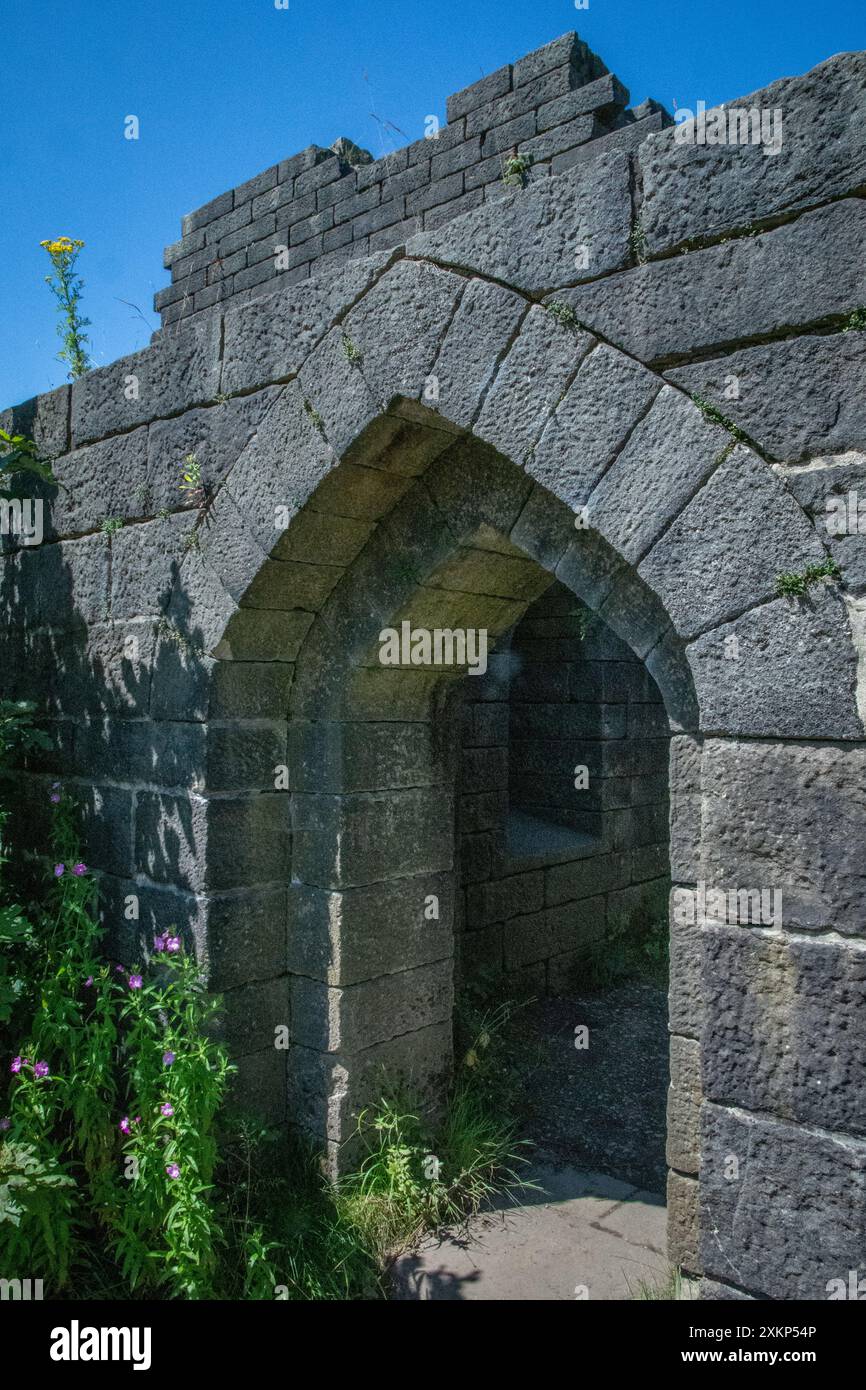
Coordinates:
(664, 342)
(548, 869)
(313, 212)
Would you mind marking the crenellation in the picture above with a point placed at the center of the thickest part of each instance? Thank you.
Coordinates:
(553, 107)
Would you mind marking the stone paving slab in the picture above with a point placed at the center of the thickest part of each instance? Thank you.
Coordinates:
(583, 1231)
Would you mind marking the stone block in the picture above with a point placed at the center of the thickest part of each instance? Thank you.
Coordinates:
(353, 1018)
(789, 672)
(348, 841)
(783, 1017)
(269, 338)
(176, 372)
(797, 398)
(792, 817)
(591, 422)
(684, 1105)
(806, 271)
(532, 242)
(793, 1217)
(343, 938)
(529, 383)
(199, 844)
(668, 455)
(481, 332)
(684, 1250)
(700, 569)
(701, 190)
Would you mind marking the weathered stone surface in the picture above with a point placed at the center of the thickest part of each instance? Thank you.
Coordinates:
(199, 844)
(771, 1048)
(534, 239)
(533, 377)
(60, 586)
(398, 327)
(700, 190)
(684, 1105)
(176, 372)
(252, 1014)
(278, 470)
(711, 1291)
(792, 817)
(350, 1019)
(343, 842)
(144, 564)
(341, 403)
(335, 757)
(216, 436)
(271, 337)
(589, 425)
(790, 673)
(700, 568)
(669, 454)
(342, 938)
(476, 487)
(796, 398)
(684, 1220)
(832, 492)
(44, 419)
(811, 270)
(794, 1217)
(483, 327)
(685, 804)
(104, 482)
(327, 1090)
(686, 995)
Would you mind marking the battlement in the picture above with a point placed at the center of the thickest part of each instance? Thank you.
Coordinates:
(318, 209)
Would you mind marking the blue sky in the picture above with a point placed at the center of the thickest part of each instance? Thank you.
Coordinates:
(225, 88)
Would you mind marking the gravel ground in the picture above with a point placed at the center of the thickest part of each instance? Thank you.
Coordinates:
(600, 1108)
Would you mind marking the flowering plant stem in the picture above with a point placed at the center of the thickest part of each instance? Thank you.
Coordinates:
(66, 286)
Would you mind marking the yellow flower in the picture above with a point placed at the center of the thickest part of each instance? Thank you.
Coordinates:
(61, 245)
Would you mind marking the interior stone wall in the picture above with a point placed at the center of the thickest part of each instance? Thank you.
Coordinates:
(548, 870)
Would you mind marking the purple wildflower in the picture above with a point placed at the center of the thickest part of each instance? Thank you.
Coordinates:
(55, 797)
(18, 1063)
(135, 982)
(79, 870)
(88, 982)
(124, 1125)
(172, 944)
(166, 1108)
(59, 870)
(168, 1058)
(5, 1122)
(172, 1170)
(118, 969)
(41, 1069)
(159, 943)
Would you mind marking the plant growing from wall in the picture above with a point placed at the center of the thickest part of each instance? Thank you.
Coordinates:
(856, 322)
(795, 585)
(563, 313)
(191, 481)
(66, 286)
(515, 172)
